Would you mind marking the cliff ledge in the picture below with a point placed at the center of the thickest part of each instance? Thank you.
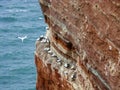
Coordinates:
(81, 48)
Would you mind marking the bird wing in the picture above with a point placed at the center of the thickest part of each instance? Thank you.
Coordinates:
(20, 37)
(25, 37)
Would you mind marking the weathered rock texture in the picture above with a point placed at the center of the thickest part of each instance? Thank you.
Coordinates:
(85, 37)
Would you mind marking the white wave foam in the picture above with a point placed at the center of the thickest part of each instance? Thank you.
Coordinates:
(16, 10)
(40, 18)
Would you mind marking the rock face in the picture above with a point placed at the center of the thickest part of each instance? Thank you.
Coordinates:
(81, 49)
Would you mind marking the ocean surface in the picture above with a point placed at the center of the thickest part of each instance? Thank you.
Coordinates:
(19, 18)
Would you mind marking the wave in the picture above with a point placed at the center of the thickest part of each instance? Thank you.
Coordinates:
(40, 18)
(16, 10)
(23, 70)
(4, 30)
(8, 77)
(8, 19)
(1, 6)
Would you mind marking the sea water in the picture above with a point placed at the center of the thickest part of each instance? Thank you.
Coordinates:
(19, 18)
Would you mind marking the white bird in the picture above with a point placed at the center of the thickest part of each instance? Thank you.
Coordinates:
(22, 38)
(53, 55)
(66, 65)
(45, 37)
(47, 28)
(59, 63)
(50, 52)
(47, 41)
(46, 49)
(38, 39)
(73, 67)
(44, 40)
(59, 60)
(41, 36)
(66, 72)
(73, 76)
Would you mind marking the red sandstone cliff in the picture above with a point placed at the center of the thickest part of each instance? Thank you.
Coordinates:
(82, 48)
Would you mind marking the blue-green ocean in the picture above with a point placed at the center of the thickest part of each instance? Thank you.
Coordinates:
(19, 18)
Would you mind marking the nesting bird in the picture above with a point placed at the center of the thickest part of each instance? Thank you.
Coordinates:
(43, 40)
(38, 39)
(50, 52)
(66, 65)
(73, 76)
(45, 37)
(59, 60)
(59, 63)
(47, 41)
(53, 55)
(65, 72)
(47, 28)
(41, 37)
(72, 67)
(46, 49)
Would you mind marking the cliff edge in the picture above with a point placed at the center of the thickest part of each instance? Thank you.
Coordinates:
(81, 48)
